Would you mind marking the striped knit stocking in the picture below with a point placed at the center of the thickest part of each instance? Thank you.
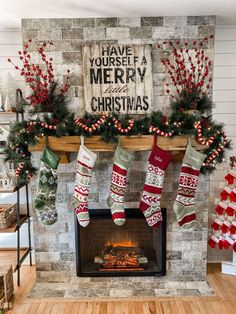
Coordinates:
(122, 161)
(85, 162)
(184, 206)
(150, 202)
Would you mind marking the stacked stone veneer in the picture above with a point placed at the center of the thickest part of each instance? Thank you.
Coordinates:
(54, 245)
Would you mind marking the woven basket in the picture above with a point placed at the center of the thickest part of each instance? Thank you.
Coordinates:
(6, 282)
(7, 215)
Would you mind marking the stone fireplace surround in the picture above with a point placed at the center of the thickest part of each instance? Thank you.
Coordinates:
(55, 245)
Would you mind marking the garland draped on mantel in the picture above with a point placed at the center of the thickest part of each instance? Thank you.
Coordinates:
(109, 127)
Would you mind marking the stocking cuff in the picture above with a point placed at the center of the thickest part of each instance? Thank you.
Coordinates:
(193, 157)
(50, 158)
(233, 174)
(159, 158)
(123, 157)
(86, 156)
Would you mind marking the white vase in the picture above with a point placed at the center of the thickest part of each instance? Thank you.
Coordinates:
(7, 105)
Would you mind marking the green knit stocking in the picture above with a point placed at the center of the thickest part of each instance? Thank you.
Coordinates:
(47, 187)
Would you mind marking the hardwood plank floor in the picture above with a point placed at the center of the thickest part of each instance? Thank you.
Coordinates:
(222, 303)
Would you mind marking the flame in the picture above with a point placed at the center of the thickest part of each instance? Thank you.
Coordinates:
(124, 243)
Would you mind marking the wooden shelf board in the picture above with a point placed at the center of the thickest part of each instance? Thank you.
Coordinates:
(7, 112)
(16, 188)
(9, 256)
(133, 143)
(13, 227)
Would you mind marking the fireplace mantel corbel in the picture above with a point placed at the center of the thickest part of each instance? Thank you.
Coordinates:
(69, 144)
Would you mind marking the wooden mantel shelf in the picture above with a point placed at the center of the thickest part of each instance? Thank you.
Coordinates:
(69, 144)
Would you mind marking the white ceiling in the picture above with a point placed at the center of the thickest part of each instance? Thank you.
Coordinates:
(13, 10)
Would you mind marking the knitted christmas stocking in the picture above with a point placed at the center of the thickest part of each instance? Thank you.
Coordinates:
(47, 188)
(184, 207)
(85, 162)
(122, 161)
(150, 202)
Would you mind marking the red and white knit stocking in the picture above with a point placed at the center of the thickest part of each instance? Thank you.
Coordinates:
(230, 177)
(150, 202)
(85, 162)
(184, 206)
(122, 161)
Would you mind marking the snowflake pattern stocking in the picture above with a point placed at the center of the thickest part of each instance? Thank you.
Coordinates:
(45, 199)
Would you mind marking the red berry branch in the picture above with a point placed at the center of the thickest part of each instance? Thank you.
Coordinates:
(189, 69)
(40, 77)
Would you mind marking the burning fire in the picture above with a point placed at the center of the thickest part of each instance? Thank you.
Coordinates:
(124, 243)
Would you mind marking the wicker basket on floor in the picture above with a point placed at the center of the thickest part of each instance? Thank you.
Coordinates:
(7, 215)
(6, 283)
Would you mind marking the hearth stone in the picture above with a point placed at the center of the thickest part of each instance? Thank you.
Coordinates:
(114, 287)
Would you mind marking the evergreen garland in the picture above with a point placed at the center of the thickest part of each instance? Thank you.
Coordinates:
(28, 132)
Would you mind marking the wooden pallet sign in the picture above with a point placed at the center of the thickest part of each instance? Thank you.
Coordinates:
(117, 78)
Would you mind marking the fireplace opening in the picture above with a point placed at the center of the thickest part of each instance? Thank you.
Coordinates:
(134, 249)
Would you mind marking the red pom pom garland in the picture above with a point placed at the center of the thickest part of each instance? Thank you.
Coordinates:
(94, 126)
(43, 124)
(48, 126)
(217, 151)
(19, 169)
(118, 126)
(159, 132)
(201, 139)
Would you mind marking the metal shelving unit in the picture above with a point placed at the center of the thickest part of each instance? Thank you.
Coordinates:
(21, 252)
(8, 254)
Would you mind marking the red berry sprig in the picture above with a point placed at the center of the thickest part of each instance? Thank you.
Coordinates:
(40, 77)
(201, 139)
(188, 71)
(118, 126)
(94, 126)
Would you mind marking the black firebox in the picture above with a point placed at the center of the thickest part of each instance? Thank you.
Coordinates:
(134, 249)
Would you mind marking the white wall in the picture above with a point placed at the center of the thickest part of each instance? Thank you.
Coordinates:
(224, 96)
(10, 44)
(224, 87)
